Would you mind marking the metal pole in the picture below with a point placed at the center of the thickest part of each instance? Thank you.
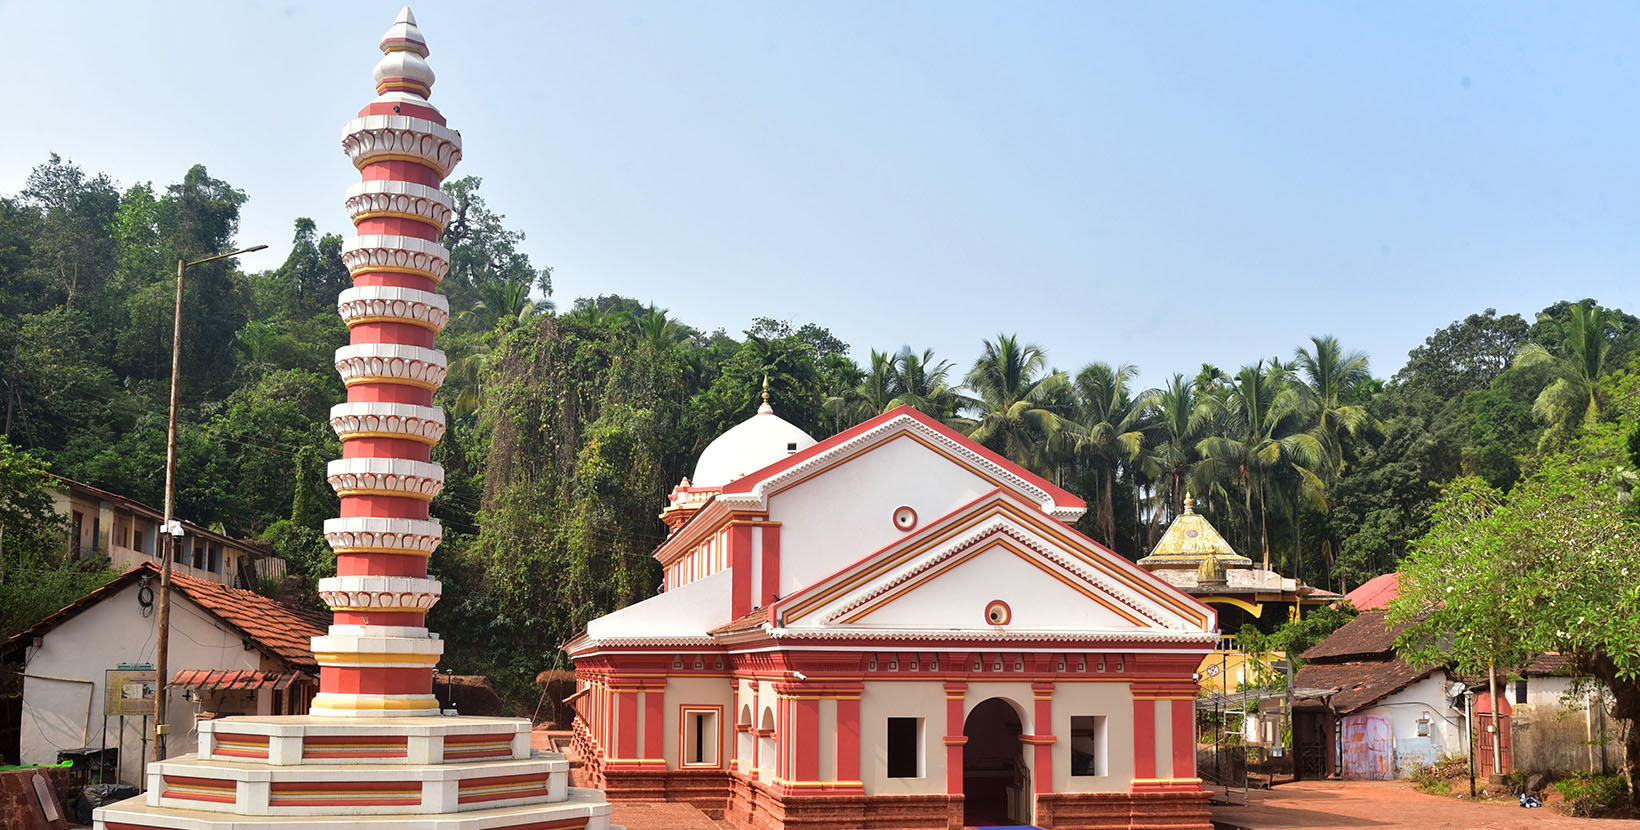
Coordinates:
(161, 727)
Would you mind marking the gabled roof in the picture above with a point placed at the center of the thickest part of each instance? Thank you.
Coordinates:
(279, 630)
(686, 615)
(1002, 472)
(1360, 683)
(1376, 592)
(1368, 635)
(1150, 607)
(139, 508)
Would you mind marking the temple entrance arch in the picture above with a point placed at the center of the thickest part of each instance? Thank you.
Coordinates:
(996, 783)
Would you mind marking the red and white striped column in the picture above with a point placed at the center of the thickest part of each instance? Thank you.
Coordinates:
(378, 657)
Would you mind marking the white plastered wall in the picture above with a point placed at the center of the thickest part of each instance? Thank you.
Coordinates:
(102, 637)
(1114, 702)
(960, 595)
(856, 501)
(882, 700)
(1426, 697)
(697, 691)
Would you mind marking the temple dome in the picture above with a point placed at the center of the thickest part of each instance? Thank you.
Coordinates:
(748, 447)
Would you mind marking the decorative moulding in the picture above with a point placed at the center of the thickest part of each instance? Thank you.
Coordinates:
(370, 534)
(386, 477)
(401, 138)
(399, 254)
(380, 419)
(389, 197)
(392, 363)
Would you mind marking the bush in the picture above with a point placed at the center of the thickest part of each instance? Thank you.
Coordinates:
(1588, 794)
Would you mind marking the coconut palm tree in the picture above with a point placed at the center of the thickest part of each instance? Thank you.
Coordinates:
(1016, 402)
(922, 382)
(654, 326)
(1112, 430)
(871, 397)
(1268, 436)
(1578, 358)
(504, 302)
(1181, 420)
(1331, 377)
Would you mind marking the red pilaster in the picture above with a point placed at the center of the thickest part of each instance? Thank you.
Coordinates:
(954, 739)
(848, 739)
(654, 722)
(806, 745)
(1184, 737)
(626, 720)
(740, 567)
(1144, 738)
(1043, 697)
(771, 566)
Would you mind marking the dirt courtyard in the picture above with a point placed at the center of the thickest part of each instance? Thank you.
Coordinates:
(1389, 805)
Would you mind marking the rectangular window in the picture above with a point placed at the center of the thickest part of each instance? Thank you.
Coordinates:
(137, 541)
(1088, 745)
(215, 564)
(199, 554)
(1520, 690)
(700, 736)
(905, 747)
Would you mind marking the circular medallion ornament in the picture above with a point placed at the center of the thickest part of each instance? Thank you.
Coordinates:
(905, 518)
(998, 613)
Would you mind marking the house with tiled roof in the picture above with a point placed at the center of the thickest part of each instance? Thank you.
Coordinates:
(88, 675)
(1380, 717)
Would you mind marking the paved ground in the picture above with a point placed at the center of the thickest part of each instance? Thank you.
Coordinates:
(1389, 805)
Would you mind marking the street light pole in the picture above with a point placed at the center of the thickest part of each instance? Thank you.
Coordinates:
(172, 530)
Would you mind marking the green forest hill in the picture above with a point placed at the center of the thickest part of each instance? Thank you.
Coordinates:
(567, 427)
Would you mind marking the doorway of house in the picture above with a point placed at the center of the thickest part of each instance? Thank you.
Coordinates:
(995, 780)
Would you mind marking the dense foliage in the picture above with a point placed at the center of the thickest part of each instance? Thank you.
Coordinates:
(569, 425)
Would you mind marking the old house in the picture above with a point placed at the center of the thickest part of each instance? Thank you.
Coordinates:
(231, 652)
(101, 523)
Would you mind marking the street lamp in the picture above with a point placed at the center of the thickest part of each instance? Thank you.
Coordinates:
(172, 529)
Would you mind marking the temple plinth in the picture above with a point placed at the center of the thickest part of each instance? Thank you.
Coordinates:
(374, 751)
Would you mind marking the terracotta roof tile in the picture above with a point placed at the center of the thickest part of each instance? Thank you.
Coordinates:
(1360, 683)
(746, 622)
(285, 630)
(1368, 635)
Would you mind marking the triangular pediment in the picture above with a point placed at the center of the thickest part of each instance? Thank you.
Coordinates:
(948, 577)
(753, 491)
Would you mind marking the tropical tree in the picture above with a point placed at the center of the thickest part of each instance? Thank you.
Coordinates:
(1267, 436)
(923, 382)
(1112, 432)
(1015, 402)
(1181, 418)
(1578, 356)
(872, 396)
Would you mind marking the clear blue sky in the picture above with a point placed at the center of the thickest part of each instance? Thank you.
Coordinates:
(1161, 184)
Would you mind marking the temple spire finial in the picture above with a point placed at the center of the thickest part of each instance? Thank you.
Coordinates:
(401, 68)
(1189, 502)
(765, 409)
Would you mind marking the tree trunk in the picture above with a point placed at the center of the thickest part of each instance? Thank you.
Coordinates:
(1625, 707)
(1107, 509)
(1298, 542)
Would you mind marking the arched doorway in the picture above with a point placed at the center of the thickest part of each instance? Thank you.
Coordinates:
(996, 784)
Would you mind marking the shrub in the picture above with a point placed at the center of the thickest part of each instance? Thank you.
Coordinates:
(1588, 794)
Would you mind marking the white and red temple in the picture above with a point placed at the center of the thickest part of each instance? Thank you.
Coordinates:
(894, 627)
(374, 749)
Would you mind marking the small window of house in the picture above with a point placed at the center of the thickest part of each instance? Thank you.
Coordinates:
(700, 737)
(1088, 745)
(137, 541)
(905, 743)
(1520, 690)
(215, 564)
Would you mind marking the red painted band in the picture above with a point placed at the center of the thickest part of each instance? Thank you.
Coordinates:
(379, 447)
(375, 680)
(403, 334)
(402, 171)
(405, 109)
(380, 564)
(398, 226)
(397, 279)
(390, 507)
(405, 619)
(389, 393)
